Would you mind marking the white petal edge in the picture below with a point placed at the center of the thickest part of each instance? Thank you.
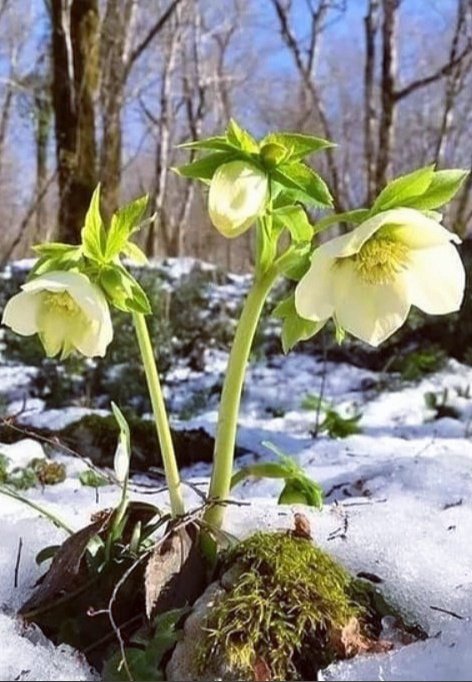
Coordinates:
(417, 231)
(21, 313)
(371, 312)
(436, 279)
(314, 292)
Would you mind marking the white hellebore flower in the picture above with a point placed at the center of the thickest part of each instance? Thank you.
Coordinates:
(238, 194)
(66, 310)
(368, 279)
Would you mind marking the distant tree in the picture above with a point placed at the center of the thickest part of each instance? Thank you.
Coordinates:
(75, 77)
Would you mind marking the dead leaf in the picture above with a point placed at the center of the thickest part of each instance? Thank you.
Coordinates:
(65, 566)
(349, 641)
(302, 527)
(175, 573)
(261, 671)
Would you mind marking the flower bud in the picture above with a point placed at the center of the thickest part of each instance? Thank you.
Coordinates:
(238, 195)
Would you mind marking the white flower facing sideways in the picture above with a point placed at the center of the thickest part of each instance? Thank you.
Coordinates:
(67, 312)
(238, 195)
(368, 279)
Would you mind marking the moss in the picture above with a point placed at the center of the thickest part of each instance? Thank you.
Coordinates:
(289, 600)
(47, 471)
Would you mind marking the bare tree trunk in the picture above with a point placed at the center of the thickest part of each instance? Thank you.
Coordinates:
(305, 68)
(370, 110)
(388, 79)
(43, 124)
(4, 121)
(114, 44)
(453, 84)
(160, 226)
(74, 49)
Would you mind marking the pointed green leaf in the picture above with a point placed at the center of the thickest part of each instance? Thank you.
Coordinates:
(93, 232)
(444, 185)
(355, 217)
(296, 221)
(260, 470)
(299, 177)
(294, 327)
(240, 138)
(134, 253)
(204, 168)
(55, 249)
(297, 144)
(123, 291)
(123, 223)
(302, 491)
(397, 192)
(217, 143)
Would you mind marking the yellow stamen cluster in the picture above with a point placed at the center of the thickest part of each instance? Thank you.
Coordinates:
(62, 301)
(380, 260)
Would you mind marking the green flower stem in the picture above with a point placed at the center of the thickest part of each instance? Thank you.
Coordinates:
(231, 395)
(160, 415)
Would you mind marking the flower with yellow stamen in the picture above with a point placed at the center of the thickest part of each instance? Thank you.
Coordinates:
(67, 312)
(368, 279)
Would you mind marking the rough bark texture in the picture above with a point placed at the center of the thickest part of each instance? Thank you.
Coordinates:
(370, 111)
(75, 71)
(389, 67)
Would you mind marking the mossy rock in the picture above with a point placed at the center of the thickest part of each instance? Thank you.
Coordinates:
(283, 609)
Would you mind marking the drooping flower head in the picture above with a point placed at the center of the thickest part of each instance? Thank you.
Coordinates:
(67, 312)
(368, 279)
(238, 194)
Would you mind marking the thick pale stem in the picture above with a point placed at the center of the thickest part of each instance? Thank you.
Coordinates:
(231, 395)
(160, 415)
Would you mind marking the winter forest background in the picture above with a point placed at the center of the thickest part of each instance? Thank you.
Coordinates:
(104, 90)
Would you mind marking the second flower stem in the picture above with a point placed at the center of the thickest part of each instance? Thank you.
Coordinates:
(160, 415)
(231, 395)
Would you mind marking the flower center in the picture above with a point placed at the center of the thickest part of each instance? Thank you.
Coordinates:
(380, 260)
(61, 302)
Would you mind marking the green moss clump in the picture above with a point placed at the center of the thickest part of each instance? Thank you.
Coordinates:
(284, 608)
(48, 472)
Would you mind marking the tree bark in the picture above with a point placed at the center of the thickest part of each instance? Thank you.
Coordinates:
(370, 110)
(388, 78)
(75, 71)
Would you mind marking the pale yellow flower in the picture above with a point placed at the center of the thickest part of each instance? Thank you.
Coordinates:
(368, 279)
(67, 312)
(238, 194)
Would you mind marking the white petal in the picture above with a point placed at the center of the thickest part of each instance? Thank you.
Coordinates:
(371, 312)
(416, 230)
(121, 460)
(350, 243)
(54, 330)
(238, 192)
(314, 294)
(80, 288)
(56, 280)
(436, 279)
(21, 313)
(93, 338)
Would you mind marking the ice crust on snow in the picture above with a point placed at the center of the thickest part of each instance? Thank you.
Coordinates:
(27, 655)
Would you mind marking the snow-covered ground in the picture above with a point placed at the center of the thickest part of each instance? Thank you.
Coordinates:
(398, 502)
(398, 505)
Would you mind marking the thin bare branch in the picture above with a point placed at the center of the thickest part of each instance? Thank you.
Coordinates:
(154, 31)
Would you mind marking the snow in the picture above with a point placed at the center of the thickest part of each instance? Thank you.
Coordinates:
(398, 499)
